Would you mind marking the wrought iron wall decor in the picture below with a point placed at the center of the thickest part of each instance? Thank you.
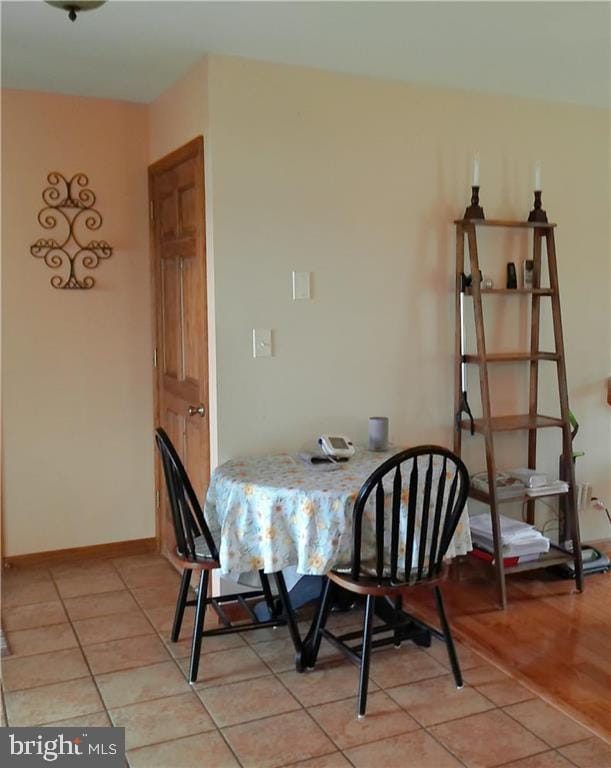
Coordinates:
(69, 208)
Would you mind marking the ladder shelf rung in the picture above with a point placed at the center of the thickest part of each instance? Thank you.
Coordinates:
(512, 357)
(506, 223)
(555, 556)
(475, 493)
(507, 291)
(512, 423)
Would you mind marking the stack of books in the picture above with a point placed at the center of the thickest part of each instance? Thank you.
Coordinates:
(519, 483)
(537, 483)
(507, 487)
(521, 542)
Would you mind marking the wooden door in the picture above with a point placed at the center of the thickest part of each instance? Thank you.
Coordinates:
(176, 190)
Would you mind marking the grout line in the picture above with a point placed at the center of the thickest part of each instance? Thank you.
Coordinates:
(93, 680)
(527, 757)
(177, 664)
(200, 693)
(537, 735)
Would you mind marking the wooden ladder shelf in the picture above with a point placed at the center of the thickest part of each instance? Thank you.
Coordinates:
(532, 421)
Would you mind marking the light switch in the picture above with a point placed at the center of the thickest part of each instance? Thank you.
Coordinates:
(261, 342)
(301, 285)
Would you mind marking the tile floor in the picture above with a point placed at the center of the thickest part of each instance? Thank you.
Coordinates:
(90, 646)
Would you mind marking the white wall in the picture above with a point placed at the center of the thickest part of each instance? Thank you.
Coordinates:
(358, 181)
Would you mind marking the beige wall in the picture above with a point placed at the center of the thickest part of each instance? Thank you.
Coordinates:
(177, 116)
(357, 181)
(180, 113)
(78, 446)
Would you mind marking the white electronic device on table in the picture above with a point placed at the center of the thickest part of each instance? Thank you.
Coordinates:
(337, 447)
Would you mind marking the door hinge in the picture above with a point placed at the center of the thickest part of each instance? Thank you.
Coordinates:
(156, 499)
(155, 358)
(152, 210)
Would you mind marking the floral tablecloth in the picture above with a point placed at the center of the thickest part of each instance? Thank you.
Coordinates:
(272, 512)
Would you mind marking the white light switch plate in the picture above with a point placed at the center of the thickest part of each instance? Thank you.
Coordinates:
(301, 285)
(261, 342)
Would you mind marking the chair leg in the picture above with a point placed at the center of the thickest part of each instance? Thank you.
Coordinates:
(365, 656)
(397, 631)
(289, 614)
(198, 625)
(445, 627)
(267, 594)
(313, 641)
(183, 593)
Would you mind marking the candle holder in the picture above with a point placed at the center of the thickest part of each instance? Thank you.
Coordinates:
(537, 213)
(474, 211)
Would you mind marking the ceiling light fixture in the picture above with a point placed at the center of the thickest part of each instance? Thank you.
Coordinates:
(75, 7)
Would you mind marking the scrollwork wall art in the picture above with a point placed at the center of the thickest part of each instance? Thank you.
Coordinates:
(69, 209)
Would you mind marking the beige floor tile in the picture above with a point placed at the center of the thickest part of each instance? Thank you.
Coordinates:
(223, 667)
(89, 584)
(141, 684)
(416, 750)
(80, 569)
(487, 739)
(203, 749)
(548, 723)
(330, 681)
(268, 634)
(384, 718)
(153, 597)
(17, 575)
(334, 760)
(551, 759)
(150, 722)
(408, 664)
(593, 753)
(279, 655)
(182, 648)
(278, 740)
(354, 618)
(124, 654)
(104, 604)
(162, 618)
(20, 672)
(131, 562)
(24, 593)
(99, 629)
(501, 689)
(248, 700)
(26, 642)
(153, 575)
(95, 720)
(53, 702)
(437, 700)
(466, 657)
(33, 616)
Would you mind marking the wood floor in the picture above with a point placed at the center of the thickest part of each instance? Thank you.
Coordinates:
(553, 639)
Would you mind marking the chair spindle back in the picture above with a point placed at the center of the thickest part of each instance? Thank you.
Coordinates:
(440, 513)
(187, 515)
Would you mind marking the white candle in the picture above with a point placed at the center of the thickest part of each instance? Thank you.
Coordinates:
(476, 169)
(538, 176)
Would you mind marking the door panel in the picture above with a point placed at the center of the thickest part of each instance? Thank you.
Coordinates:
(176, 185)
(171, 318)
(191, 291)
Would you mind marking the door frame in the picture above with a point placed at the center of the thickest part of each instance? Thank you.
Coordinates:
(192, 149)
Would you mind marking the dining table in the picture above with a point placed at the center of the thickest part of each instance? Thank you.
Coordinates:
(278, 513)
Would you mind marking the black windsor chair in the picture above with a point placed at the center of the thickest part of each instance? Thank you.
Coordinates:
(196, 550)
(374, 575)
